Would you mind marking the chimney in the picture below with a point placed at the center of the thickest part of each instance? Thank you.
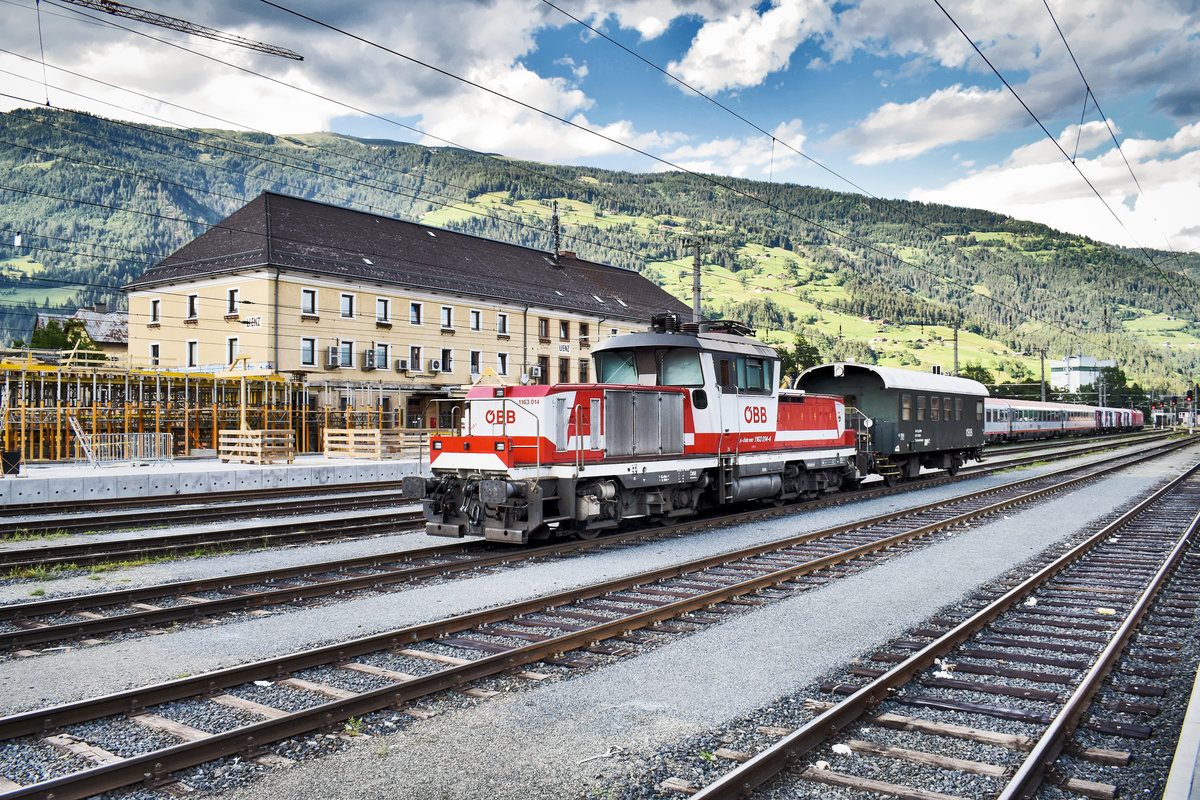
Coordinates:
(100, 308)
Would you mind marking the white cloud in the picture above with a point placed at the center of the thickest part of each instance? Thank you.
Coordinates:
(1036, 183)
(755, 156)
(898, 131)
(743, 48)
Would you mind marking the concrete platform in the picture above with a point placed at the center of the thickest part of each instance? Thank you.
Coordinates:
(67, 483)
(1184, 782)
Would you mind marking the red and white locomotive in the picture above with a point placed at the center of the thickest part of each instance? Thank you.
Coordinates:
(683, 416)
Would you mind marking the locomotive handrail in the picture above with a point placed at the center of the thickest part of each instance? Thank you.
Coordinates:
(578, 411)
(537, 434)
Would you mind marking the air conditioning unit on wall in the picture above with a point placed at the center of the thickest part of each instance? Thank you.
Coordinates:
(368, 359)
(401, 365)
(535, 372)
(333, 358)
(435, 365)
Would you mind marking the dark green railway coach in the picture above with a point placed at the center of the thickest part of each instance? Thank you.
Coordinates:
(905, 419)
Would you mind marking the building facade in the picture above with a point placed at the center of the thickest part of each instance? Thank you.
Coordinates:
(1076, 371)
(378, 312)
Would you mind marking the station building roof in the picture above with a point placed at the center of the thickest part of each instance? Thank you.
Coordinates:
(296, 235)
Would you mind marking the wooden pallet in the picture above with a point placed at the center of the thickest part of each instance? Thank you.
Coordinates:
(369, 443)
(257, 446)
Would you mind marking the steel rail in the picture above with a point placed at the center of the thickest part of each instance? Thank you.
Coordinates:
(106, 551)
(741, 781)
(207, 608)
(1030, 775)
(161, 763)
(196, 511)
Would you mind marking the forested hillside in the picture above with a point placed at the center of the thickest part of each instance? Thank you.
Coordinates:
(90, 203)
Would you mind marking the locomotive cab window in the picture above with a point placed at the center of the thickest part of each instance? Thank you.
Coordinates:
(616, 366)
(679, 367)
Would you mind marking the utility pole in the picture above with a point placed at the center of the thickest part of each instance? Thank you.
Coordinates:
(1042, 356)
(695, 244)
(956, 347)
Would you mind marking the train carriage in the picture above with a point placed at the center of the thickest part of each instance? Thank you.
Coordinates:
(912, 419)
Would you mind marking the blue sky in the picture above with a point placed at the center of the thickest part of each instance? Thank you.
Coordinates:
(887, 93)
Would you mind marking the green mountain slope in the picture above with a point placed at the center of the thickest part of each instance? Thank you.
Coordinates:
(97, 201)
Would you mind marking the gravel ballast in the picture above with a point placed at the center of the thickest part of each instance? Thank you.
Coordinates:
(532, 740)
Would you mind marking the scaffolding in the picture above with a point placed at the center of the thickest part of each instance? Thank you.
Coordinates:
(45, 408)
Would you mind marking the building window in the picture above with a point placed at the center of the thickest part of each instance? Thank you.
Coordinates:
(347, 306)
(476, 319)
(584, 329)
(193, 353)
(155, 310)
(308, 302)
(502, 326)
(383, 309)
(543, 370)
(564, 330)
(154, 352)
(231, 349)
(382, 351)
(414, 313)
(583, 370)
(447, 317)
(414, 359)
(564, 370)
(612, 331)
(234, 303)
(543, 328)
(501, 363)
(308, 352)
(447, 360)
(345, 354)
(193, 306)
(476, 359)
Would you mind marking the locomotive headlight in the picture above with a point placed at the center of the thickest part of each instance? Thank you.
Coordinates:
(437, 445)
(499, 447)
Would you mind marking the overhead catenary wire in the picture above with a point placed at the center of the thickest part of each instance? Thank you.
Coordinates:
(889, 255)
(1170, 284)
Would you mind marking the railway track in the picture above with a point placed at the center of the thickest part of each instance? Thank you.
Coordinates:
(39, 623)
(217, 507)
(1037, 655)
(347, 680)
(48, 555)
(40, 555)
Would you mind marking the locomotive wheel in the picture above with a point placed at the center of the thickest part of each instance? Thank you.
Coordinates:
(892, 478)
(587, 534)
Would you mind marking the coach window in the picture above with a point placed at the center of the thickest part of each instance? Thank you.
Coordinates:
(946, 409)
(920, 408)
(677, 367)
(905, 407)
(958, 409)
(934, 409)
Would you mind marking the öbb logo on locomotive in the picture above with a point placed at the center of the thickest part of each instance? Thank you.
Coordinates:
(688, 416)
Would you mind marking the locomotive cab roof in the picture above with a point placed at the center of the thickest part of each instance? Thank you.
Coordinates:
(666, 330)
